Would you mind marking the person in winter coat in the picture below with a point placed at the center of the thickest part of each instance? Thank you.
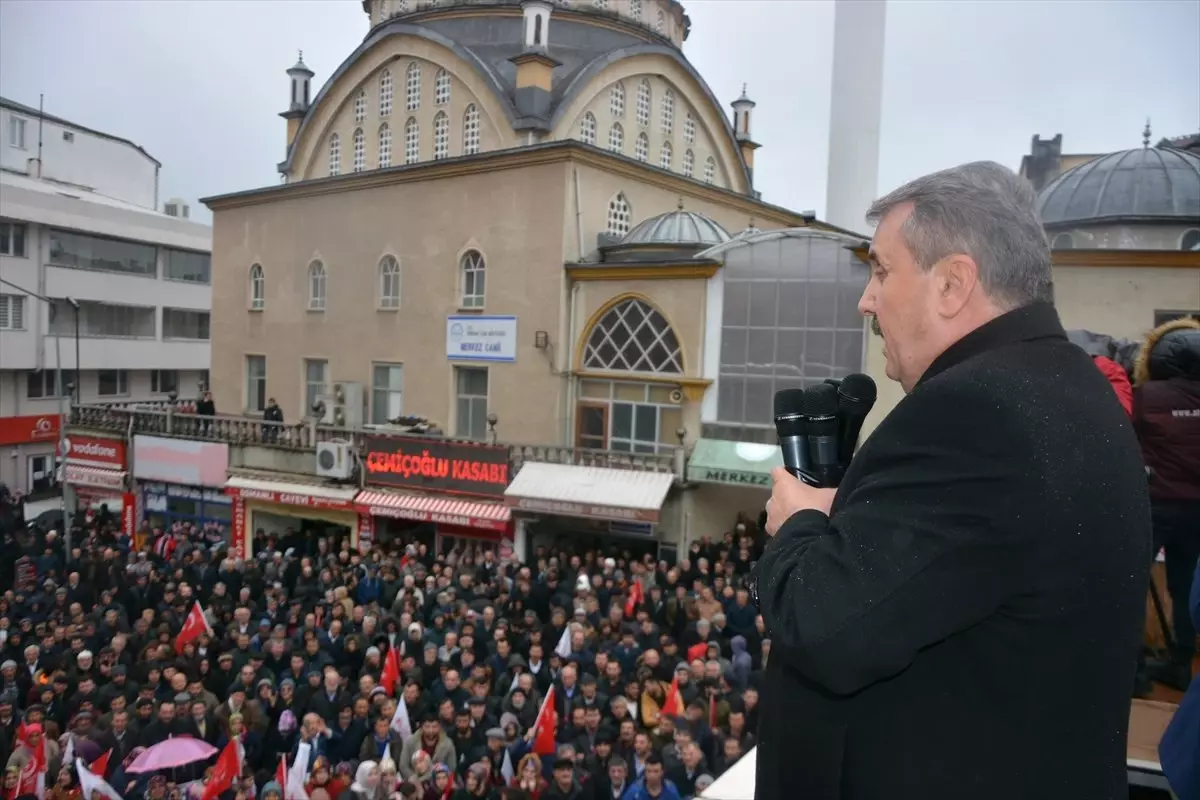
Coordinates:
(429, 736)
(1166, 417)
(1119, 380)
(563, 785)
(1179, 749)
(653, 785)
(1002, 500)
(743, 663)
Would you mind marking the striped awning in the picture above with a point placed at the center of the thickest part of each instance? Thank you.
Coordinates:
(433, 508)
(94, 477)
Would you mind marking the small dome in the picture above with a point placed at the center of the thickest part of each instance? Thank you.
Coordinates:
(1149, 184)
(677, 228)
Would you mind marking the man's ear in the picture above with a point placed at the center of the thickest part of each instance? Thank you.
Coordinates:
(955, 279)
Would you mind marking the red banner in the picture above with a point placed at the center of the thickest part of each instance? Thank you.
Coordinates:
(238, 545)
(23, 430)
(129, 514)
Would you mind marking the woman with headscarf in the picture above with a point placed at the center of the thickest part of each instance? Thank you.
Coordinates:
(440, 785)
(476, 785)
(366, 782)
(322, 779)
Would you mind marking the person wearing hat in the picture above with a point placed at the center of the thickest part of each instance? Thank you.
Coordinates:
(494, 751)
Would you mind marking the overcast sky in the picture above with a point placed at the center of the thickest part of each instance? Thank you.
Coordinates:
(200, 83)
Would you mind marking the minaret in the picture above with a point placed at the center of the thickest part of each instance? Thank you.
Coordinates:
(300, 77)
(535, 67)
(855, 111)
(742, 109)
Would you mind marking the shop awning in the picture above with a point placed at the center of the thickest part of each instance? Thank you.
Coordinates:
(733, 463)
(592, 492)
(94, 477)
(431, 508)
(288, 493)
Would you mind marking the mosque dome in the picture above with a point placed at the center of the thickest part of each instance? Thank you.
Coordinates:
(1147, 184)
(677, 229)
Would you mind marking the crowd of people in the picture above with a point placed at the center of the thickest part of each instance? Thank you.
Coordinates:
(309, 647)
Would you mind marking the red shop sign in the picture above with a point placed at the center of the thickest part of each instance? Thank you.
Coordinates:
(129, 514)
(23, 430)
(239, 528)
(437, 466)
(94, 451)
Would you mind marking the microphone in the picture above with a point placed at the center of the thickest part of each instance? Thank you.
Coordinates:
(821, 406)
(791, 425)
(856, 395)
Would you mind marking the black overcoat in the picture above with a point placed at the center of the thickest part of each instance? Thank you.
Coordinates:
(965, 623)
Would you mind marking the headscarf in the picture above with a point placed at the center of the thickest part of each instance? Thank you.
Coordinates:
(360, 778)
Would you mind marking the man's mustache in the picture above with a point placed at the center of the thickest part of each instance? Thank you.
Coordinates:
(875, 329)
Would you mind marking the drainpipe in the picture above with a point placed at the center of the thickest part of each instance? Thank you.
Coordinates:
(38, 337)
(578, 215)
(569, 417)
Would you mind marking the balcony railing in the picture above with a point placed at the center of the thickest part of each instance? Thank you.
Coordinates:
(145, 418)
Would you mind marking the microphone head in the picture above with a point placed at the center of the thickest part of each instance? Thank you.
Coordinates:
(790, 412)
(789, 402)
(857, 393)
(821, 400)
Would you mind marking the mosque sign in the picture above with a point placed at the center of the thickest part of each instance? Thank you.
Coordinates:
(481, 338)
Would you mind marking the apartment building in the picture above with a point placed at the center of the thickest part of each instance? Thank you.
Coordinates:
(92, 276)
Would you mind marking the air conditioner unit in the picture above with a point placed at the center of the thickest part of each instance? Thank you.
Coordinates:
(345, 405)
(334, 460)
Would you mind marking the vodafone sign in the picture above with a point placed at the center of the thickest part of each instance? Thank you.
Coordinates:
(93, 451)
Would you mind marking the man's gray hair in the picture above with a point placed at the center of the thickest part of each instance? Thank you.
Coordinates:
(983, 210)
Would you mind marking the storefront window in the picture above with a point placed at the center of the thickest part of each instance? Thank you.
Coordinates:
(627, 417)
(166, 504)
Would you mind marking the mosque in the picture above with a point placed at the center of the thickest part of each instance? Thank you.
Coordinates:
(534, 223)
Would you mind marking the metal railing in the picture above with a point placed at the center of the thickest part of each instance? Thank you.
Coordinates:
(145, 418)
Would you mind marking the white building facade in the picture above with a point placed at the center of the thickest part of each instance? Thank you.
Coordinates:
(79, 228)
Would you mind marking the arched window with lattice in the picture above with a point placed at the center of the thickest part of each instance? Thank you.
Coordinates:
(620, 215)
(587, 129)
(633, 336)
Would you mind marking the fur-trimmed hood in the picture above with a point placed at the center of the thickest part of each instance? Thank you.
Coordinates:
(1146, 365)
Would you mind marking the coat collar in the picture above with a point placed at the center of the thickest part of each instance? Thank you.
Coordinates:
(1025, 324)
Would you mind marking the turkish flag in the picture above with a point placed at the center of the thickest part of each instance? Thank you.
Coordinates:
(224, 773)
(27, 780)
(281, 773)
(391, 671)
(673, 705)
(193, 626)
(100, 765)
(697, 651)
(636, 596)
(546, 727)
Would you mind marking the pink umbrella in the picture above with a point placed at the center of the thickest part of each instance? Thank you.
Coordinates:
(174, 752)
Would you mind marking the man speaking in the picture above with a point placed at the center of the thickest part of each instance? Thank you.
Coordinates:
(961, 617)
